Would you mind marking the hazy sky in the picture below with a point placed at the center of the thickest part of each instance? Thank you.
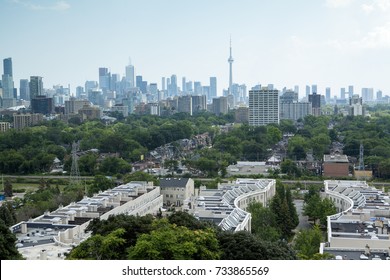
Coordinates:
(332, 43)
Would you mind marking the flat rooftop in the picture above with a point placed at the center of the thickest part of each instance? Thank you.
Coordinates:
(335, 159)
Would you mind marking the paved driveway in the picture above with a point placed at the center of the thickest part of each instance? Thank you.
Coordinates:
(303, 220)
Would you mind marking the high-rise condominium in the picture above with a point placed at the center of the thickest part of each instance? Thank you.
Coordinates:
(350, 91)
(220, 105)
(36, 86)
(314, 89)
(307, 91)
(130, 75)
(315, 100)
(183, 85)
(7, 81)
(24, 89)
(172, 89)
(7, 64)
(327, 94)
(213, 88)
(342, 93)
(263, 106)
(104, 78)
(368, 94)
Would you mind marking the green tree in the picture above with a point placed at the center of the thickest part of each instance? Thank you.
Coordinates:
(7, 214)
(283, 208)
(100, 183)
(311, 207)
(320, 144)
(114, 165)
(141, 176)
(171, 242)
(291, 208)
(327, 209)
(134, 226)
(88, 163)
(318, 209)
(274, 135)
(307, 243)
(8, 251)
(263, 223)
(208, 166)
(243, 245)
(172, 165)
(289, 167)
(297, 147)
(99, 247)
(184, 219)
(287, 126)
(8, 191)
(384, 169)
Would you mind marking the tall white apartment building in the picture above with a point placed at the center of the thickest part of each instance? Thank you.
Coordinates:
(263, 106)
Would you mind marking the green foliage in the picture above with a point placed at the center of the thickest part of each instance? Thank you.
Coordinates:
(134, 226)
(246, 246)
(170, 242)
(114, 165)
(100, 247)
(180, 236)
(100, 183)
(184, 219)
(285, 212)
(318, 209)
(263, 223)
(8, 251)
(290, 168)
(141, 176)
(7, 214)
(297, 147)
(8, 192)
(287, 126)
(88, 164)
(307, 243)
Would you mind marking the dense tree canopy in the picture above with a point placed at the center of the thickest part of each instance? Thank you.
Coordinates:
(246, 246)
(171, 242)
(8, 251)
(317, 208)
(179, 236)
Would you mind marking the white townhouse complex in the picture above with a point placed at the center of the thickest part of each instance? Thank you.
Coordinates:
(361, 228)
(226, 206)
(59, 230)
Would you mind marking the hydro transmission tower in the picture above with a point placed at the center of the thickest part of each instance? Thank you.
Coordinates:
(74, 171)
(361, 157)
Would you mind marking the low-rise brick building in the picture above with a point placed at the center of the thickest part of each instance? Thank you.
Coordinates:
(335, 166)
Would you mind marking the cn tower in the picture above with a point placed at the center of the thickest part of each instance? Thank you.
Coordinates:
(230, 60)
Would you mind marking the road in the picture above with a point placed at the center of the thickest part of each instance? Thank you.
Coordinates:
(44, 177)
(303, 220)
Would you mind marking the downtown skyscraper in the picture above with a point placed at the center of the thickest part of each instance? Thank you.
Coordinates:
(7, 79)
(213, 88)
(8, 99)
(36, 86)
(130, 75)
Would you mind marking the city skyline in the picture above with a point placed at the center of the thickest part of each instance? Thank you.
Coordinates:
(330, 43)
